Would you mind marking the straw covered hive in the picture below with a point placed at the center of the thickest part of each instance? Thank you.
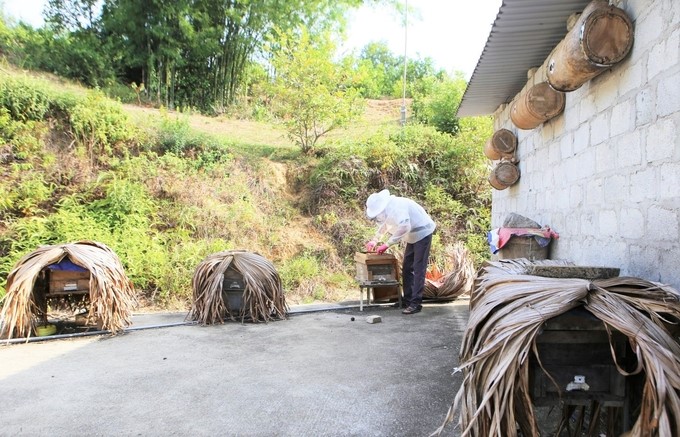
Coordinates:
(111, 297)
(262, 296)
(507, 311)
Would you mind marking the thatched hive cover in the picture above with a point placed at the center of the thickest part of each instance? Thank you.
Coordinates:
(508, 309)
(262, 298)
(111, 297)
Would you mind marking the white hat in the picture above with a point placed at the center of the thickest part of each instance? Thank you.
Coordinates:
(376, 203)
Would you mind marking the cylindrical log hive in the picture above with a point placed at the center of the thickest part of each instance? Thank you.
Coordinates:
(504, 175)
(537, 105)
(502, 144)
(490, 152)
(601, 37)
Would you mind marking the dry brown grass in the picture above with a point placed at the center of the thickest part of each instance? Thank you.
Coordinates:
(379, 116)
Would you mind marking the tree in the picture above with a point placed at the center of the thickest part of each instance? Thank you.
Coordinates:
(310, 90)
(71, 15)
(436, 100)
(387, 68)
(196, 52)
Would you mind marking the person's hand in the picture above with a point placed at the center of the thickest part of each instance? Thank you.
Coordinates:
(382, 248)
(370, 246)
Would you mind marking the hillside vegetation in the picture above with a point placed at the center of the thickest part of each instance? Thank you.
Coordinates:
(271, 143)
(164, 190)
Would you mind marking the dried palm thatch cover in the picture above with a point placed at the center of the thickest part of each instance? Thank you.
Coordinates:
(111, 297)
(507, 310)
(263, 298)
(457, 282)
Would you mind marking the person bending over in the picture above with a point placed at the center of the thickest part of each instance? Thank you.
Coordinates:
(402, 219)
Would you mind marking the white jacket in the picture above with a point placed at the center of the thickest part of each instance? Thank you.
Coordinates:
(404, 220)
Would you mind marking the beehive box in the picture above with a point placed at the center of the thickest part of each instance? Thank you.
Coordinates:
(232, 289)
(374, 267)
(68, 281)
(573, 344)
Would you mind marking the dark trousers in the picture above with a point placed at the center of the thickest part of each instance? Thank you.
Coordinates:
(413, 270)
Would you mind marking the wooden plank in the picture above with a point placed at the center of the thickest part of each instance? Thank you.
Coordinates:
(580, 399)
(66, 293)
(68, 281)
(593, 353)
(579, 337)
(577, 319)
(373, 258)
(68, 275)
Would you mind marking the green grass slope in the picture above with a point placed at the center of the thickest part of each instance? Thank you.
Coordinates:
(165, 189)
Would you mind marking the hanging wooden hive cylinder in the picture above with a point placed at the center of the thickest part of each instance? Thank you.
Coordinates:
(537, 105)
(503, 175)
(601, 37)
(502, 144)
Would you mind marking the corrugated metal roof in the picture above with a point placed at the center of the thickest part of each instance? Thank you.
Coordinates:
(522, 36)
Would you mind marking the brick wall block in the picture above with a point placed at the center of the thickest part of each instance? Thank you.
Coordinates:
(599, 129)
(629, 151)
(632, 223)
(661, 140)
(643, 185)
(668, 95)
(644, 107)
(662, 224)
(607, 223)
(622, 118)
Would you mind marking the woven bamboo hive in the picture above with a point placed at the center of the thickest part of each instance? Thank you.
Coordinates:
(507, 312)
(261, 294)
(111, 296)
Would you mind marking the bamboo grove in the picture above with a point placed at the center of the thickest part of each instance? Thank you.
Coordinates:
(188, 53)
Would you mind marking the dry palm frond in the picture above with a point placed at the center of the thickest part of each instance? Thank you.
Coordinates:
(263, 297)
(459, 279)
(434, 279)
(507, 312)
(111, 297)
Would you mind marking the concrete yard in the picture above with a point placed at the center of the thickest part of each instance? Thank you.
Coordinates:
(316, 374)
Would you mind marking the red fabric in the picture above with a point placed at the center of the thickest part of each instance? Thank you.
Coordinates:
(504, 234)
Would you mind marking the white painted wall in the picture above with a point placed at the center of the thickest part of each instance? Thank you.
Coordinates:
(605, 174)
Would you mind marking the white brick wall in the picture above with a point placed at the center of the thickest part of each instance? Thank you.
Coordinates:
(605, 174)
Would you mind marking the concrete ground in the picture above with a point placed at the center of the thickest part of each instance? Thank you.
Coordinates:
(316, 374)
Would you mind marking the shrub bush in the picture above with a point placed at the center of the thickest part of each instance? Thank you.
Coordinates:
(444, 173)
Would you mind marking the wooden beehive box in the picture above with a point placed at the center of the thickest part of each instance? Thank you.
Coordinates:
(374, 267)
(572, 344)
(233, 287)
(378, 268)
(68, 281)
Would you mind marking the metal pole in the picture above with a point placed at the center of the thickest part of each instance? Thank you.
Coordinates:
(90, 333)
(403, 97)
